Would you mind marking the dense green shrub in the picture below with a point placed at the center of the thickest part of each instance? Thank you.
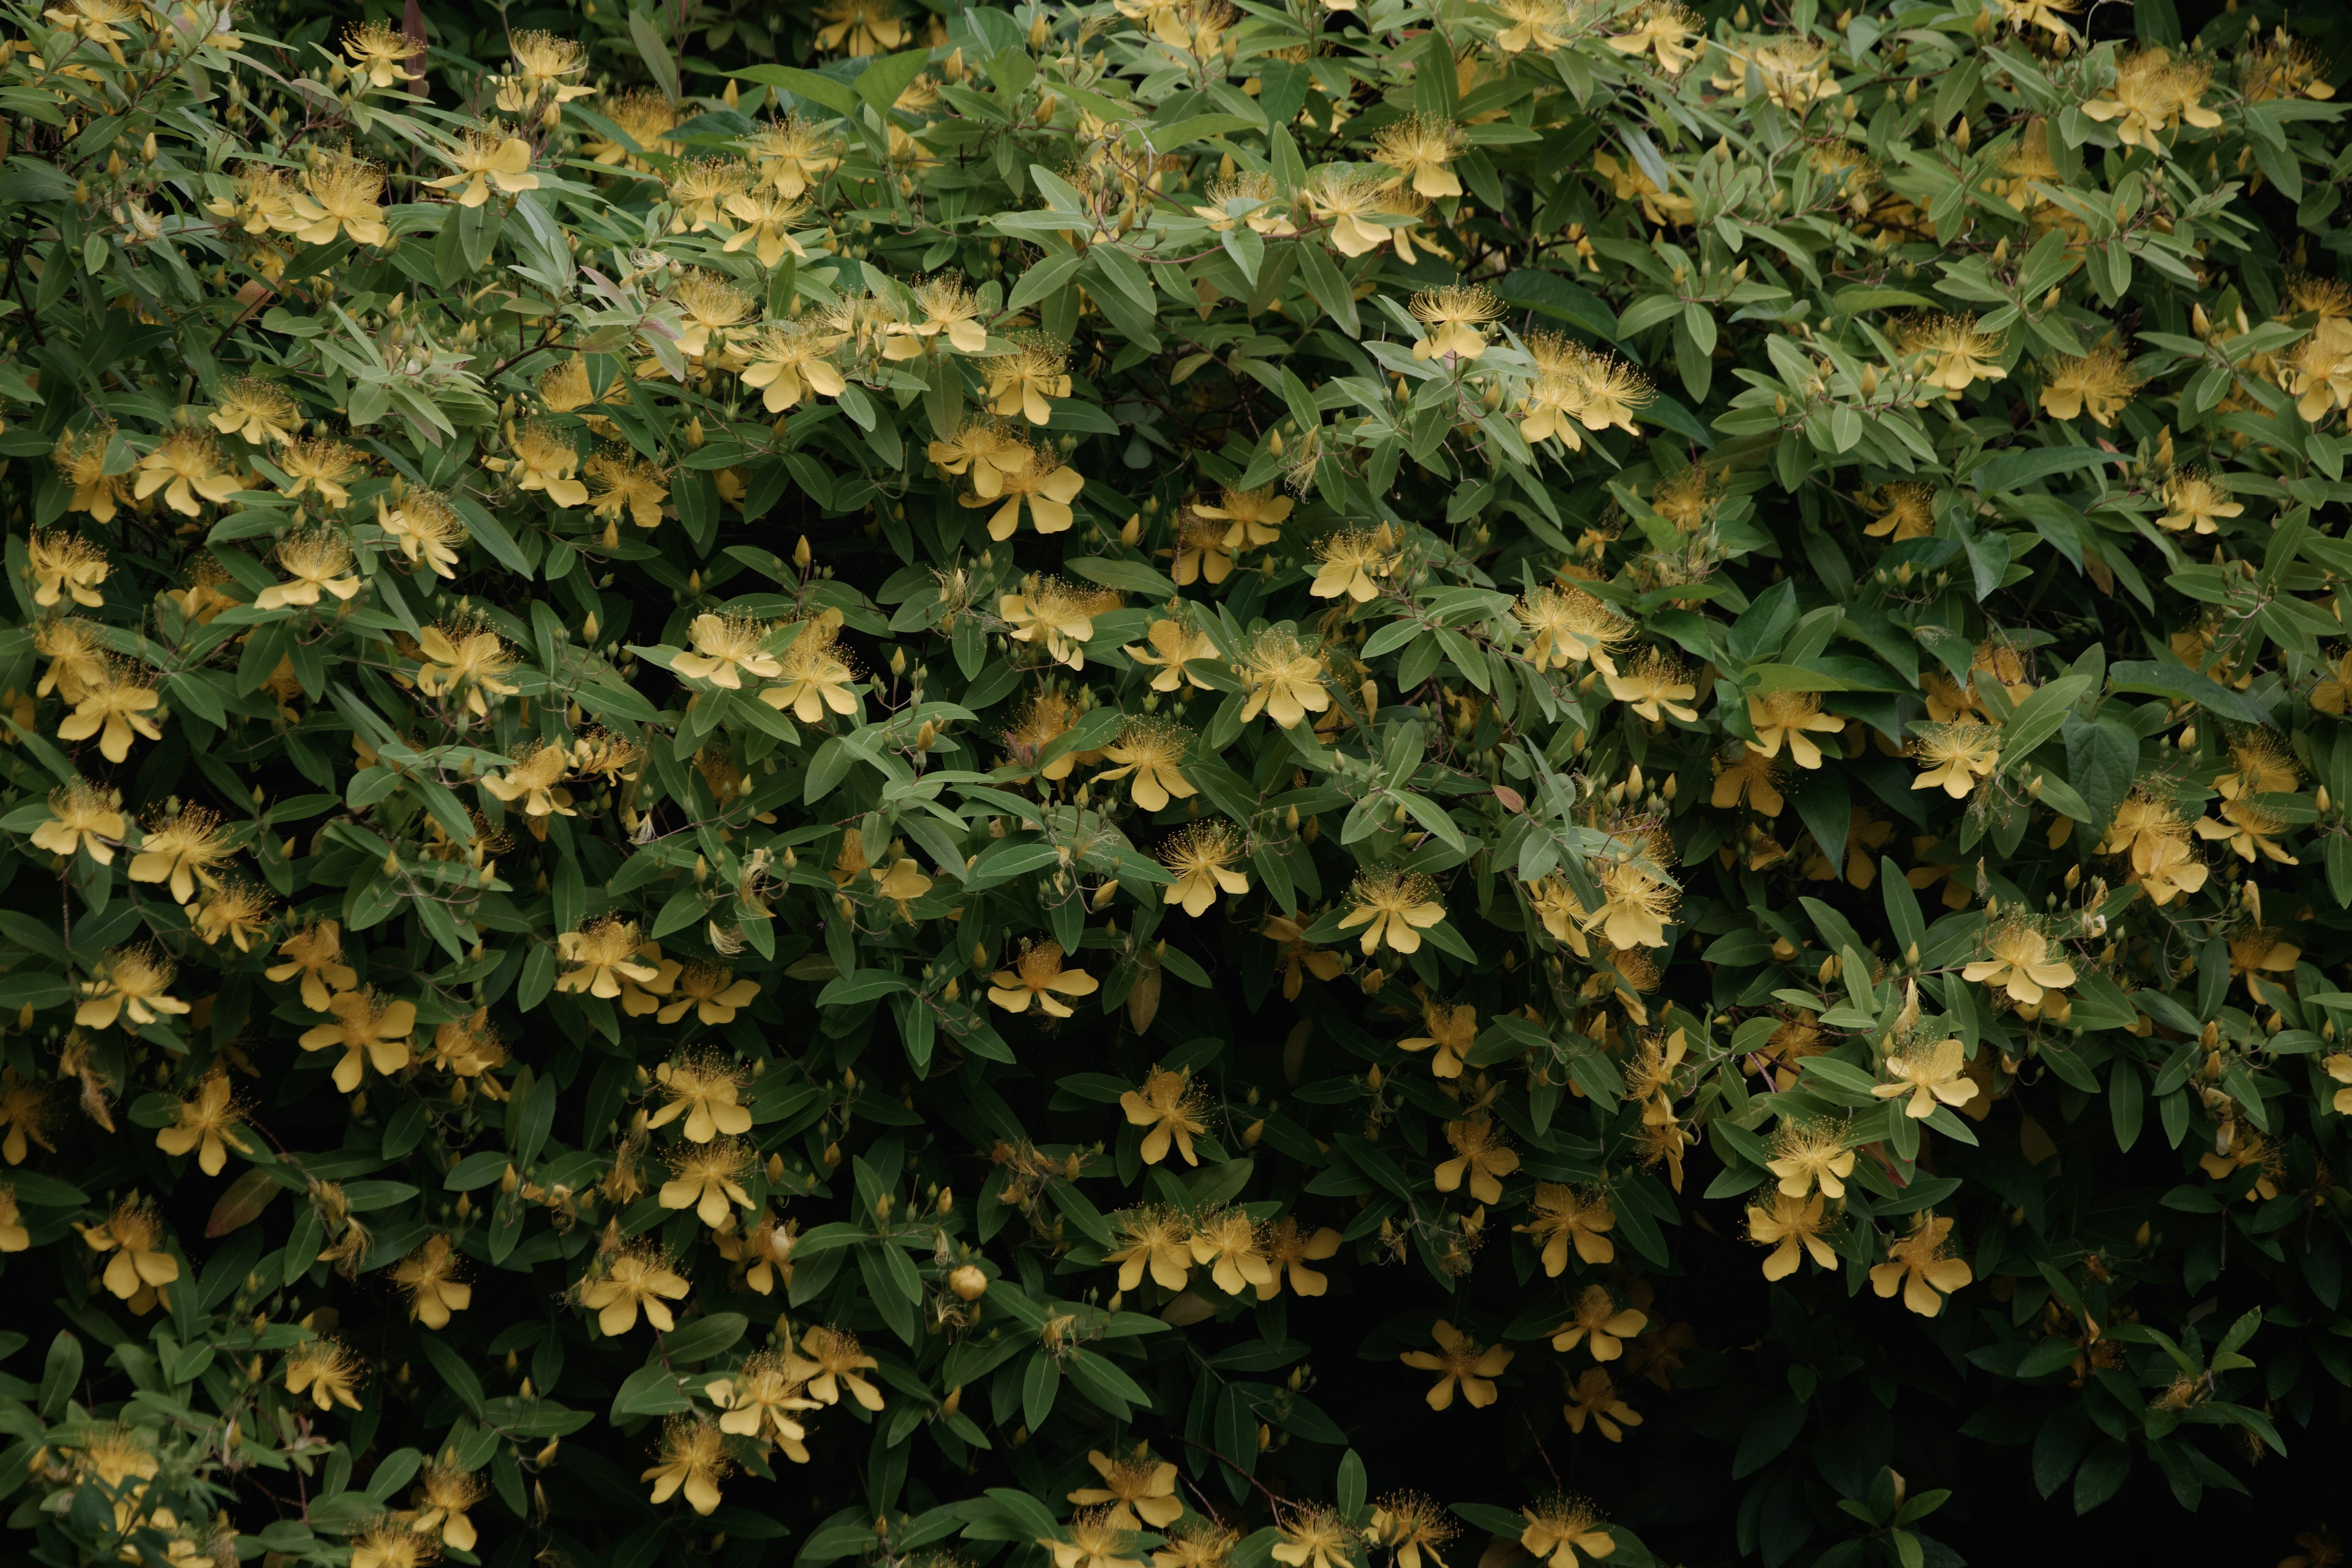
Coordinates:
(1211, 781)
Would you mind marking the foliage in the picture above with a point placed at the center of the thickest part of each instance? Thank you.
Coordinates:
(840, 808)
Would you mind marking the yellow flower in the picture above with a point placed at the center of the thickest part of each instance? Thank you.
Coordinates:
(767, 217)
(1794, 73)
(1791, 1227)
(315, 953)
(1296, 958)
(1207, 541)
(2318, 370)
(2022, 964)
(1289, 1247)
(1635, 904)
(185, 465)
(645, 118)
(1202, 857)
(429, 1275)
(1159, 1240)
(1412, 1527)
(1654, 687)
(1348, 198)
(1351, 563)
(16, 1236)
(1562, 1217)
(541, 63)
(1749, 775)
(1230, 1244)
(1600, 1324)
(2100, 382)
(1660, 207)
(1958, 756)
(1794, 717)
(1482, 1157)
(1534, 25)
(1020, 382)
(133, 1232)
(2153, 94)
(202, 1125)
(370, 1030)
(1170, 1105)
(951, 310)
(489, 157)
(1576, 386)
(1393, 908)
(115, 708)
(704, 1090)
(816, 675)
(624, 486)
(1460, 1361)
(1952, 352)
(836, 1362)
(693, 1460)
(1313, 1537)
(339, 197)
(1594, 1398)
(81, 462)
(1928, 1073)
(727, 648)
(787, 362)
(713, 994)
(1570, 627)
(1559, 1528)
(1140, 1489)
(1420, 148)
(1456, 317)
(78, 665)
(1174, 644)
(24, 1114)
(1014, 472)
(426, 528)
(1669, 32)
(320, 466)
(2282, 66)
(708, 1178)
(379, 54)
(469, 1047)
(1095, 1540)
(2248, 829)
(638, 1277)
(1051, 614)
(1283, 678)
(2338, 1067)
(1248, 198)
(1452, 1030)
(1809, 1154)
(467, 660)
(602, 954)
(326, 1371)
(860, 27)
(1922, 1267)
(129, 985)
(316, 561)
(1037, 976)
(442, 1501)
(1902, 512)
(82, 818)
